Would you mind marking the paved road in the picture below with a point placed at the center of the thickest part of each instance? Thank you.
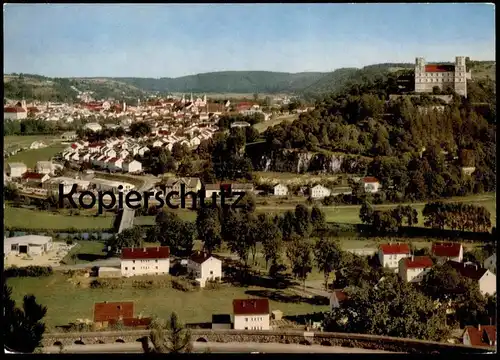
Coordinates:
(127, 220)
(216, 348)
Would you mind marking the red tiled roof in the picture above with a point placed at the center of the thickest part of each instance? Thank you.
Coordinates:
(160, 252)
(251, 307)
(392, 249)
(482, 337)
(341, 296)
(439, 68)
(113, 310)
(200, 257)
(112, 160)
(16, 109)
(469, 271)
(418, 262)
(33, 175)
(370, 179)
(446, 249)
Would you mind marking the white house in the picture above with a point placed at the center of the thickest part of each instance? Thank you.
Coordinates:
(44, 167)
(92, 127)
(29, 244)
(123, 154)
(158, 143)
(16, 170)
(251, 314)
(491, 263)
(204, 267)
(447, 251)
(413, 269)
(389, 255)
(371, 184)
(115, 163)
(143, 150)
(319, 192)
(145, 261)
(37, 145)
(132, 166)
(280, 190)
(486, 279)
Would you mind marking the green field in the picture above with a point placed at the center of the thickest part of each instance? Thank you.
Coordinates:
(30, 157)
(15, 141)
(27, 218)
(261, 127)
(66, 302)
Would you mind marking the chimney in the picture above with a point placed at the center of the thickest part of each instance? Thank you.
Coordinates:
(144, 249)
(479, 327)
(158, 248)
(255, 304)
(243, 304)
(412, 257)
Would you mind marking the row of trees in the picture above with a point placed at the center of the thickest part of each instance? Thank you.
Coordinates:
(389, 220)
(457, 216)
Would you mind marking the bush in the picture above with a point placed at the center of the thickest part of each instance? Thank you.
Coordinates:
(212, 285)
(28, 271)
(107, 284)
(69, 242)
(182, 285)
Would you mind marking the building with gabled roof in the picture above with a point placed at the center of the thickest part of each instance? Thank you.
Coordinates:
(112, 311)
(486, 280)
(203, 266)
(447, 251)
(146, 260)
(413, 269)
(251, 314)
(389, 255)
(482, 335)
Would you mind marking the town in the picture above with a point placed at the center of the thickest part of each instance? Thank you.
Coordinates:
(365, 218)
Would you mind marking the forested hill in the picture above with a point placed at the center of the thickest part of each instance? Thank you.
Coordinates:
(246, 82)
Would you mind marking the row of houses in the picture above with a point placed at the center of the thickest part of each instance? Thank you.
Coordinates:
(398, 258)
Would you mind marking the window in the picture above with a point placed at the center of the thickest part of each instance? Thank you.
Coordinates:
(246, 319)
(133, 268)
(157, 267)
(211, 272)
(126, 268)
(133, 261)
(156, 260)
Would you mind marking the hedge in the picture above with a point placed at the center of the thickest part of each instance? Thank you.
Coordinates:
(28, 271)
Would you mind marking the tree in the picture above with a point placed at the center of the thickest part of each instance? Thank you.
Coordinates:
(173, 232)
(317, 218)
(209, 228)
(366, 213)
(328, 255)
(299, 252)
(302, 220)
(271, 237)
(22, 328)
(444, 283)
(173, 337)
(128, 238)
(392, 308)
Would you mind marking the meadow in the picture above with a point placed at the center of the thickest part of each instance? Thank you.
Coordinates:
(30, 157)
(261, 127)
(19, 141)
(36, 219)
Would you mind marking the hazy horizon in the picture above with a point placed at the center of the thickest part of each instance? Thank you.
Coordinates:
(170, 41)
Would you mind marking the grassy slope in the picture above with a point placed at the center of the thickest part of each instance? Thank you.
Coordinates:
(261, 127)
(30, 157)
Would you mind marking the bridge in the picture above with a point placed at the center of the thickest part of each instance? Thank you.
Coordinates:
(361, 341)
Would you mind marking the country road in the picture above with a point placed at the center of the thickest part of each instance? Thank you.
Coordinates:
(128, 215)
(213, 347)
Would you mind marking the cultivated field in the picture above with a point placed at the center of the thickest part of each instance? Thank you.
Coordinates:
(17, 141)
(35, 219)
(261, 127)
(30, 157)
(67, 302)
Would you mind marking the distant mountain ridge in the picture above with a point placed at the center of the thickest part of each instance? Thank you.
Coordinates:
(309, 84)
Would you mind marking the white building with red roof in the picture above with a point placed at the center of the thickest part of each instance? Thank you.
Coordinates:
(454, 77)
(203, 267)
(251, 314)
(389, 255)
(371, 184)
(447, 251)
(413, 269)
(483, 335)
(14, 113)
(145, 261)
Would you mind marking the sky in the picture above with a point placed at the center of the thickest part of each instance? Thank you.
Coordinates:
(167, 40)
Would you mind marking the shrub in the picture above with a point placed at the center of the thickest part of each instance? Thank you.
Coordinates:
(182, 285)
(69, 242)
(28, 271)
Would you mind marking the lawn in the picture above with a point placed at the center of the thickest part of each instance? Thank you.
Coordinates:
(66, 302)
(350, 213)
(16, 141)
(30, 157)
(261, 127)
(26, 218)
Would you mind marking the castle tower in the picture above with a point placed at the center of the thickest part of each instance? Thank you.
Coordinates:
(124, 107)
(460, 76)
(183, 99)
(205, 99)
(420, 74)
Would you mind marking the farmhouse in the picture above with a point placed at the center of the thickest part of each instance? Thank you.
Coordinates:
(414, 269)
(191, 184)
(203, 267)
(319, 192)
(251, 314)
(143, 261)
(371, 184)
(29, 244)
(280, 190)
(389, 255)
(447, 251)
(16, 170)
(35, 177)
(486, 279)
(44, 167)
